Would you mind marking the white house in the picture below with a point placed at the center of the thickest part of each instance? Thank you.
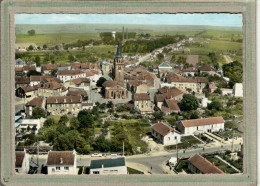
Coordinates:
(21, 162)
(165, 134)
(87, 106)
(204, 125)
(67, 75)
(238, 90)
(204, 102)
(62, 162)
(108, 166)
(164, 67)
(226, 91)
(25, 123)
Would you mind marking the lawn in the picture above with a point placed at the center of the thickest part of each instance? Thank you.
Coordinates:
(204, 138)
(133, 171)
(186, 142)
(54, 39)
(228, 134)
(131, 132)
(220, 164)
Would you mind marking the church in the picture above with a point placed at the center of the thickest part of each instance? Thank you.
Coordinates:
(115, 89)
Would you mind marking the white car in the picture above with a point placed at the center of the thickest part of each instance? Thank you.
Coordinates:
(96, 155)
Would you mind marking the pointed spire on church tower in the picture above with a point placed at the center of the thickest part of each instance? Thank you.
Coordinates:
(118, 52)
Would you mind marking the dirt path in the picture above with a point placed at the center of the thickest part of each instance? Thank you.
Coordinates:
(227, 58)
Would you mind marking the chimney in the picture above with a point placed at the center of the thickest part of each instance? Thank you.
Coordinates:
(61, 160)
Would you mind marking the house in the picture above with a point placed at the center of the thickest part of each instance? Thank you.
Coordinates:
(172, 93)
(28, 68)
(21, 81)
(208, 70)
(114, 91)
(87, 106)
(21, 162)
(164, 67)
(165, 134)
(93, 76)
(226, 91)
(106, 67)
(212, 87)
(194, 84)
(142, 103)
(36, 80)
(63, 105)
(62, 162)
(19, 63)
(200, 165)
(35, 102)
(203, 125)
(204, 102)
(67, 75)
(82, 83)
(108, 166)
(192, 60)
(189, 72)
(78, 92)
(170, 106)
(25, 124)
(238, 90)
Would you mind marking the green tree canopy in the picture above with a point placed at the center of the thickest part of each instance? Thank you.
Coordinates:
(216, 105)
(38, 113)
(189, 103)
(85, 119)
(230, 125)
(234, 71)
(32, 73)
(100, 81)
(30, 47)
(31, 32)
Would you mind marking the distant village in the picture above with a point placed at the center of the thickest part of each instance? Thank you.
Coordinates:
(150, 93)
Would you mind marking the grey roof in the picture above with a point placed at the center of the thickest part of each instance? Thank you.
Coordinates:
(96, 164)
(164, 64)
(19, 62)
(118, 52)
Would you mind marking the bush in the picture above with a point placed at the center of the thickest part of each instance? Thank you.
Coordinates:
(230, 125)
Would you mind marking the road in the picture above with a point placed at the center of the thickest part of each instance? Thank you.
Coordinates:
(156, 161)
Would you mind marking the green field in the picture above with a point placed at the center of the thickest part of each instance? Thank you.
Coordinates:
(89, 54)
(53, 39)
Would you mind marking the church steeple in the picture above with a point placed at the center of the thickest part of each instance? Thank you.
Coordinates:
(118, 52)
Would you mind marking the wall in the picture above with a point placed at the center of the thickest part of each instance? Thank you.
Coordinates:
(107, 170)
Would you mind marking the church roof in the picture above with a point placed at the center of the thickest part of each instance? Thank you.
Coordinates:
(118, 52)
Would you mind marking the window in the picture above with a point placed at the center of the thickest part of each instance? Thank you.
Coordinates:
(95, 172)
(66, 168)
(175, 137)
(197, 128)
(53, 170)
(57, 168)
(169, 138)
(16, 170)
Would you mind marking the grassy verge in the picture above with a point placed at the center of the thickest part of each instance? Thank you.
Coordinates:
(133, 171)
(186, 142)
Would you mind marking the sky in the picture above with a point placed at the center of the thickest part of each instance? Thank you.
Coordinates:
(213, 19)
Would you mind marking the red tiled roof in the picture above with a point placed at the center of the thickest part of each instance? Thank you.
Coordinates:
(78, 81)
(35, 102)
(41, 78)
(162, 128)
(64, 99)
(60, 158)
(22, 80)
(203, 121)
(77, 92)
(19, 157)
(177, 78)
(146, 76)
(32, 67)
(135, 83)
(109, 83)
(207, 68)
(171, 105)
(205, 166)
(69, 72)
(87, 104)
(141, 96)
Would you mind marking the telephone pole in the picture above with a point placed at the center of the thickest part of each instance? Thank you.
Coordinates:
(232, 140)
(37, 153)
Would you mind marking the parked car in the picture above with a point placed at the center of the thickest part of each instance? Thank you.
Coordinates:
(113, 155)
(96, 155)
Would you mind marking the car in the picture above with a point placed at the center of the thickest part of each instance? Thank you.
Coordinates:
(113, 155)
(96, 155)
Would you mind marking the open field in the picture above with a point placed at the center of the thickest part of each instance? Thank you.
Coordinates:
(89, 54)
(53, 39)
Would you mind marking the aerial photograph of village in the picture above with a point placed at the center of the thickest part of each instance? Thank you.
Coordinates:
(119, 94)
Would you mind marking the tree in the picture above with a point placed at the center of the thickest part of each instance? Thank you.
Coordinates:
(49, 122)
(218, 91)
(30, 47)
(38, 113)
(37, 60)
(216, 105)
(32, 73)
(44, 47)
(234, 71)
(85, 119)
(157, 116)
(100, 81)
(189, 103)
(31, 32)
(71, 58)
(64, 120)
(230, 125)
(74, 123)
(160, 56)
(110, 104)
